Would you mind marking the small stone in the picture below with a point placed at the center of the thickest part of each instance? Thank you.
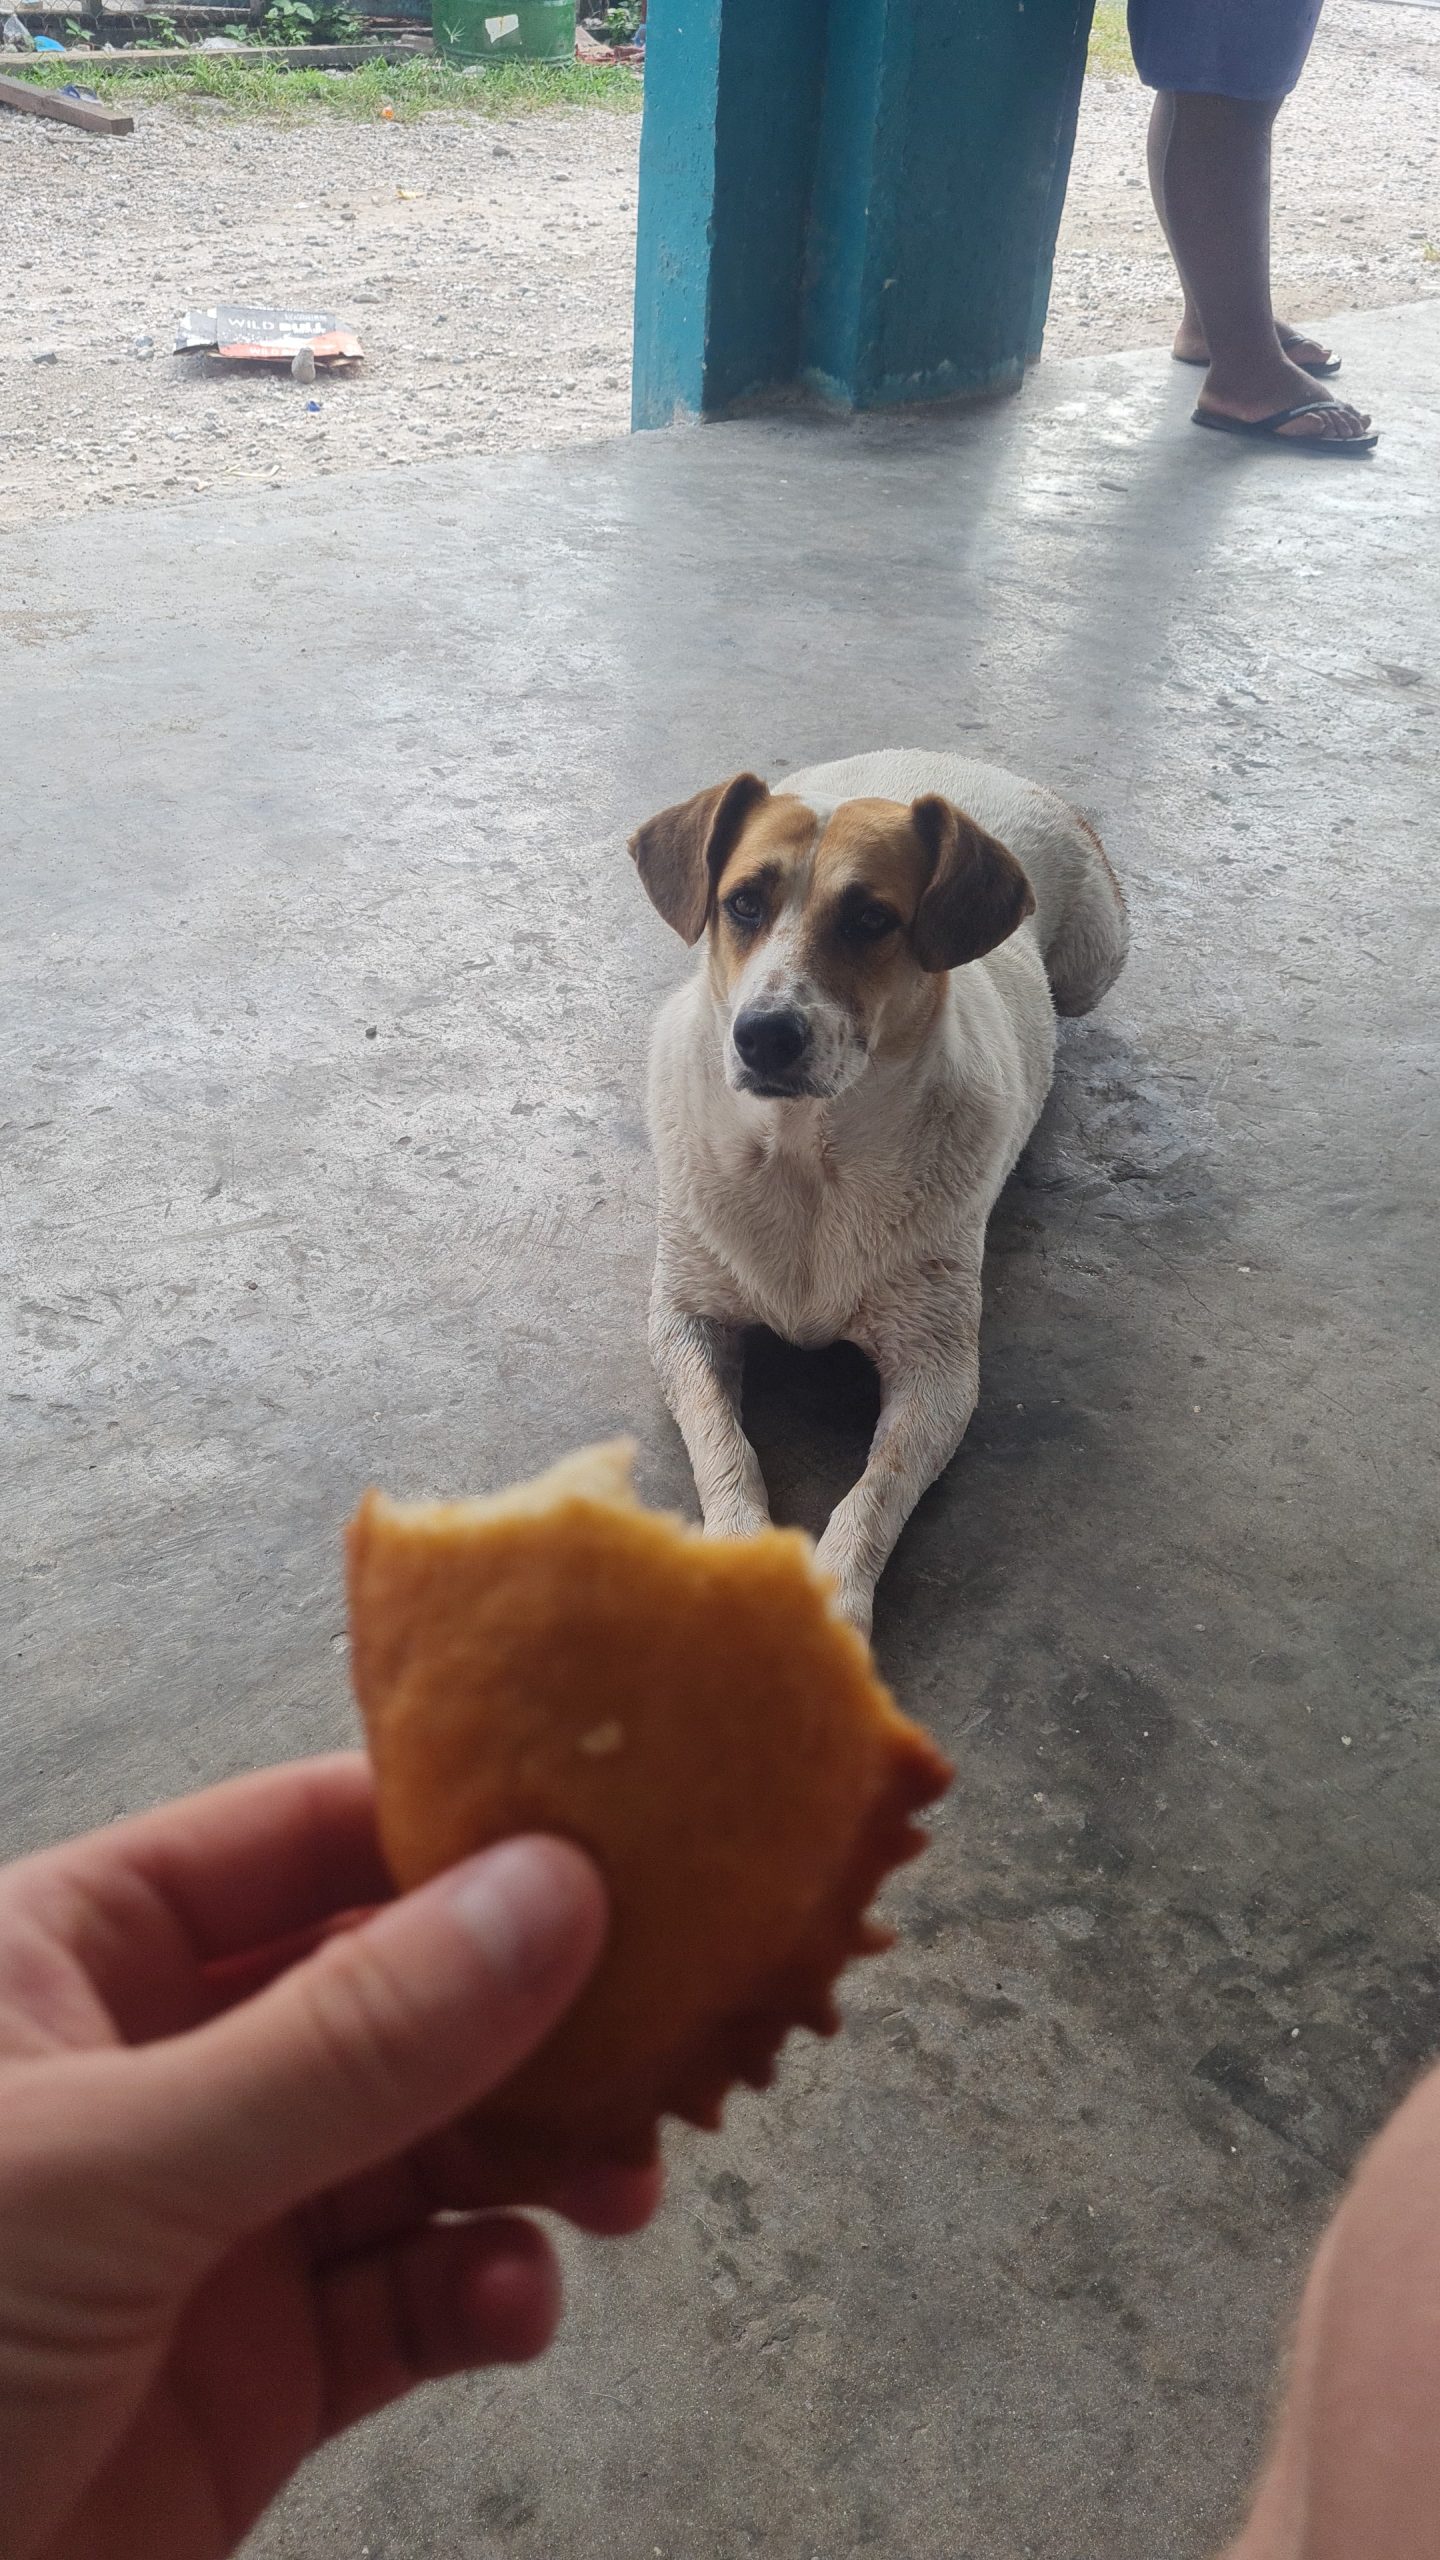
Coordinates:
(44, 355)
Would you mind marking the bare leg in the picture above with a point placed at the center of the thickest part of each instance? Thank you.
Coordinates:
(700, 1367)
(1352, 2468)
(1190, 336)
(1210, 170)
(923, 1417)
(1190, 339)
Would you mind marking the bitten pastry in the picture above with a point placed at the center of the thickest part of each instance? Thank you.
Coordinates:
(697, 1716)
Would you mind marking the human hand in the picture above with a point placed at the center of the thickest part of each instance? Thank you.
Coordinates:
(229, 2088)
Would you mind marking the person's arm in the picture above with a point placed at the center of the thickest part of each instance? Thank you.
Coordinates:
(1354, 2468)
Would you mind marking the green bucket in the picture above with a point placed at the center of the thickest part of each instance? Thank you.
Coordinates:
(472, 31)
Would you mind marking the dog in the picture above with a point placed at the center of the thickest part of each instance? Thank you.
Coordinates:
(840, 1090)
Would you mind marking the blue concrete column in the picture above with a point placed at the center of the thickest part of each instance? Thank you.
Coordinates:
(727, 156)
(855, 197)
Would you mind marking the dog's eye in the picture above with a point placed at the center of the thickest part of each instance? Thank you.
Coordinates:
(745, 908)
(871, 921)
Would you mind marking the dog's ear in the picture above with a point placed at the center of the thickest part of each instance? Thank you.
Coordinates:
(977, 892)
(681, 853)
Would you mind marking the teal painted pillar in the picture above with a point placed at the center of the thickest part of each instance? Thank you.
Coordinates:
(855, 197)
(732, 112)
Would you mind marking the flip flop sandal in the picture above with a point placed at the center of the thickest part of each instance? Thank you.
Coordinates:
(1292, 338)
(1268, 429)
(1319, 372)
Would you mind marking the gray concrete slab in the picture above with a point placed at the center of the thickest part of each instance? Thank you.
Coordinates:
(324, 1162)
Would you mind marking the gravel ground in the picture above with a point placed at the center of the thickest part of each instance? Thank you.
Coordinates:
(488, 267)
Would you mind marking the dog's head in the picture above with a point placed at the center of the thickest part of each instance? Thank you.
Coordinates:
(831, 931)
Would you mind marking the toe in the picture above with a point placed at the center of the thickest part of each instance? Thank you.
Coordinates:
(1314, 422)
(1302, 349)
(1336, 421)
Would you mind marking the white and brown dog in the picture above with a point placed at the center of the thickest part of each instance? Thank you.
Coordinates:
(842, 1087)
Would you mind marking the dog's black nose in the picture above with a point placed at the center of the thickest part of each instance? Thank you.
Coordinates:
(769, 1042)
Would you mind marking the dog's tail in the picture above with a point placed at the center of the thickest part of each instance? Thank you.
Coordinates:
(1083, 927)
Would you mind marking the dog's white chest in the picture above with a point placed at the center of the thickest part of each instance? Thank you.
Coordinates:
(808, 1235)
(804, 1237)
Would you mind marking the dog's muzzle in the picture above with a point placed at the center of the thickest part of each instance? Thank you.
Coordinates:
(773, 1044)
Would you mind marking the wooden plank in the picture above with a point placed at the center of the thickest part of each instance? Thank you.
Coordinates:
(48, 102)
(288, 57)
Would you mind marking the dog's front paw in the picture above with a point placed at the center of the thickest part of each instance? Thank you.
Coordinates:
(858, 1607)
(854, 1595)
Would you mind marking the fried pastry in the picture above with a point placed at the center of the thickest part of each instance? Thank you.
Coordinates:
(696, 1715)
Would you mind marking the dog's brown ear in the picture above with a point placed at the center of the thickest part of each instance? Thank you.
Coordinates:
(681, 853)
(977, 892)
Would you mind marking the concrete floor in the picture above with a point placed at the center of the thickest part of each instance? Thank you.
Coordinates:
(324, 1162)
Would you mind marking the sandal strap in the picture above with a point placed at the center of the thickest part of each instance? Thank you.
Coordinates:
(1302, 409)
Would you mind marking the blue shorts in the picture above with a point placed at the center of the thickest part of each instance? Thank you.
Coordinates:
(1229, 48)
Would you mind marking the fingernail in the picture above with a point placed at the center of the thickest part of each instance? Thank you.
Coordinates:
(537, 1907)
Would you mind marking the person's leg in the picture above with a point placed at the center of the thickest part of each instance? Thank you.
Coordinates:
(1190, 336)
(1210, 171)
(1352, 2473)
(1190, 344)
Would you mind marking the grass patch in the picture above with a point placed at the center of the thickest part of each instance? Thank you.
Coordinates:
(1109, 42)
(413, 89)
(419, 88)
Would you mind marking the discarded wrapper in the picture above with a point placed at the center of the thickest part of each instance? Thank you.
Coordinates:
(332, 346)
(247, 333)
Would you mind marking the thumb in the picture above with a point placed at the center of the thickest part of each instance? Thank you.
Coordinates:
(384, 2034)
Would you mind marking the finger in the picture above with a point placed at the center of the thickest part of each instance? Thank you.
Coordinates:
(610, 2203)
(149, 1907)
(226, 1979)
(447, 2175)
(264, 1857)
(442, 2301)
(386, 2033)
(454, 2172)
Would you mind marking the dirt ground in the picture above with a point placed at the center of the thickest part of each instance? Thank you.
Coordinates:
(487, 267)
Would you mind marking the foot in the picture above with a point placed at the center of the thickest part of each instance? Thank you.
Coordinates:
(1258, 391)
(1311, 354)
